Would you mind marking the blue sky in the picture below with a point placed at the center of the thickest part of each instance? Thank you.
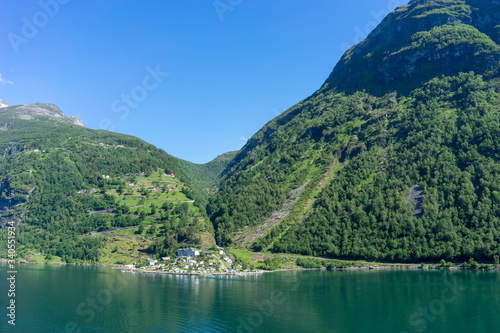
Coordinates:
(194, 77)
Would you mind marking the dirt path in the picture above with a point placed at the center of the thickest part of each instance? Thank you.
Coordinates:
(146, 198)
(93, 234)
(109, 233)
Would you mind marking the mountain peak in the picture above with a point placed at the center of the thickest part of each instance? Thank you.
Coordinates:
(39, 111)
(420, 41)
(3, 104)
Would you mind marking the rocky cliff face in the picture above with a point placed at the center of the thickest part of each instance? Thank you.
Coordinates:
(420, 41)
(77, 121)
(39, 111)
(487, 17)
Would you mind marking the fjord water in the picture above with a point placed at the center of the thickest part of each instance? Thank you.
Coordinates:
(71, 298)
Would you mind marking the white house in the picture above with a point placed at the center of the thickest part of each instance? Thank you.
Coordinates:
(152, 262)
(188, 252)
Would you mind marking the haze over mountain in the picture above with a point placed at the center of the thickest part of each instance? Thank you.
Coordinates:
(395, 157)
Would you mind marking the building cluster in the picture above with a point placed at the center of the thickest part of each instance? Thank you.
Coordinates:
(195, 261)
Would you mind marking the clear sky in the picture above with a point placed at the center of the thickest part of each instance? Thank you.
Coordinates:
(196, 78)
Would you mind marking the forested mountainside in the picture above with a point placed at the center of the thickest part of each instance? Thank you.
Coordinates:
(205, 176)
(60, 181)
(396, 157)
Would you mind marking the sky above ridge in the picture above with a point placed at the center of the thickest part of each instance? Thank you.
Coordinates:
(195, 78)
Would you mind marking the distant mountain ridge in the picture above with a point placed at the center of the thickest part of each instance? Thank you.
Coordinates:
(39, 111)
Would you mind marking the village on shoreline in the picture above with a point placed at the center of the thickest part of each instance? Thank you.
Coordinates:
(193, 261)
(215, 262)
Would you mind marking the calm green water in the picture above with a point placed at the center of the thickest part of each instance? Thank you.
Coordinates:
(98, 299)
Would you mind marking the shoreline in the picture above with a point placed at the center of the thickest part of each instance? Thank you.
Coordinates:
(379, 267)
(133, 270)
(387, 267)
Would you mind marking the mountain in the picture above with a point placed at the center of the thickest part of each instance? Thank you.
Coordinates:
(205, 176)
(3, 104)
(415, 43)
(62, 184)
(39, 111)
(397, 155)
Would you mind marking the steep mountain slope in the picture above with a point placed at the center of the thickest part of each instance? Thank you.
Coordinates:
(395, 157)
(60, 181)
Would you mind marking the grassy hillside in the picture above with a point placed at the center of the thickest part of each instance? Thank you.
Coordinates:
(60, 182)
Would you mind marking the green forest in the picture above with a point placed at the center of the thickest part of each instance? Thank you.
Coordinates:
(444, 138)
(446, 142)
